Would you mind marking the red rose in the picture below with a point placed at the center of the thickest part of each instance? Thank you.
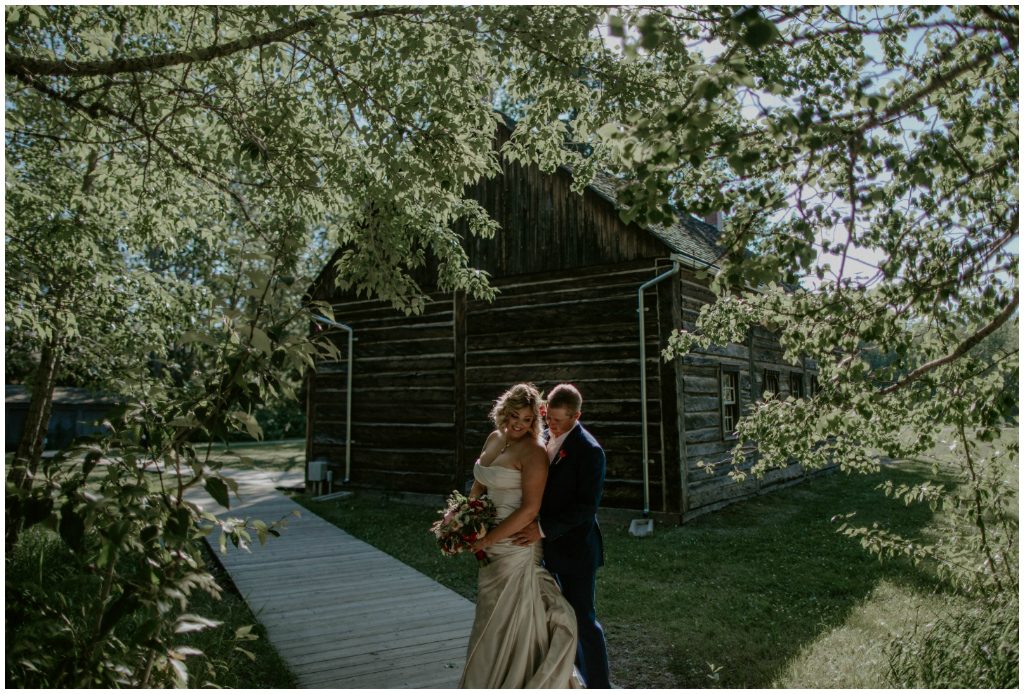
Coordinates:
(563, 454)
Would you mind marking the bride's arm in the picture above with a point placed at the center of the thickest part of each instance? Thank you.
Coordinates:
(535, 475)
(478, 490)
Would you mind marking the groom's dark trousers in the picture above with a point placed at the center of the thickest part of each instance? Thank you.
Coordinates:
(573, 549)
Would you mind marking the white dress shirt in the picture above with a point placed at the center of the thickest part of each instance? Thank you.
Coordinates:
(553, 445)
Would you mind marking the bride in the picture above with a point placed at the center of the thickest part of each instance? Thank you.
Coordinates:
(524, 633)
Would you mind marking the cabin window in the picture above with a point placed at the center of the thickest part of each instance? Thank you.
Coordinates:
(771, 382)
(796, 384)
(730, 402)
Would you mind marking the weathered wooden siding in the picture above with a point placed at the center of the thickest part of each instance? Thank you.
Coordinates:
(707, 458)
(578, 327)
(403, 422)
(419, 422)
(546, 227)
(424, 385)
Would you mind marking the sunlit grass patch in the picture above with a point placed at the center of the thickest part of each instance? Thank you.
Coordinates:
(283, 455)
(853, 654)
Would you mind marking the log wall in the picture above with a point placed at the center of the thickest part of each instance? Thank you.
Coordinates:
(581, 328)
(403, 416)
(546, 228)
(706, 457)
(423, 386)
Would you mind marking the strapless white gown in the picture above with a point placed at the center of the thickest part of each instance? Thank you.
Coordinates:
(524, 633)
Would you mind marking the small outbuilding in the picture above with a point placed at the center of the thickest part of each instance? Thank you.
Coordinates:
(571, 277)
(75, 412)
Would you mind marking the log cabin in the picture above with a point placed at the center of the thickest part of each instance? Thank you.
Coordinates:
(571, 277)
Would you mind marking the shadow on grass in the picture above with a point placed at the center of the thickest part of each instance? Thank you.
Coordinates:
(283, 455)
(730, 598)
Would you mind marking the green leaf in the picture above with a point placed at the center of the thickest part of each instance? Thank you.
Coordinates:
(72, 528)
(760, 33)
(261, 342)
(191, 623)
(124, 605)
(248, 654)
(218, 490)
(178, 526)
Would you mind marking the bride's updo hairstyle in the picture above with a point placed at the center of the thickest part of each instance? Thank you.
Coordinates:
(516, 398)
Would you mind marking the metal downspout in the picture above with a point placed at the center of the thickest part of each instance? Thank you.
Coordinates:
(643, 378)
(348, 394)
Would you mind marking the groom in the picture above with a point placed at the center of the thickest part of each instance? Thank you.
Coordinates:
(568, 523)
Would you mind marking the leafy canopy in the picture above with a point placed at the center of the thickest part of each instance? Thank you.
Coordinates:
(175, 175)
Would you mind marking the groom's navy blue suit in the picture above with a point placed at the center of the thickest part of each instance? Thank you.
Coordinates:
(573, 548)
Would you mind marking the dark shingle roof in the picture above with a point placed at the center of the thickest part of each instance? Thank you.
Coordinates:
(689, 236)
(19, 395)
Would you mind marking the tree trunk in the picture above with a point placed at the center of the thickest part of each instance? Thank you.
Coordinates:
(33, 435)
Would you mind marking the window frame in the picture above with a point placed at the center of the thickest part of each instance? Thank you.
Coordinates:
(766, 375)
(797, 377)
(730, 409)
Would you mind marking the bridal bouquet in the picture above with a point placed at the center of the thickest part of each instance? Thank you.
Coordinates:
(463, 522)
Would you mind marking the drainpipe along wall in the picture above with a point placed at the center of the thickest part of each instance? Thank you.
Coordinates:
(643, 380)
(348, 394)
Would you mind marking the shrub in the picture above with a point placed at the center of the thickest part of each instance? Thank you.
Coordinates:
(285, 418)
(103, 560)
(976, 646)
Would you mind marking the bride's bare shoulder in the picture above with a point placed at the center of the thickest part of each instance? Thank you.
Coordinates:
(537, 454)
(491, 438)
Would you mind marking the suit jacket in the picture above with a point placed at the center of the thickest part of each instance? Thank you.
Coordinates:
(568, 512)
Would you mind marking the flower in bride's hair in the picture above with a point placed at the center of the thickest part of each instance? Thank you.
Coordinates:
(464, 521)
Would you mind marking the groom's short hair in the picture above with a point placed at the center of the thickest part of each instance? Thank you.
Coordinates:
(565, 395)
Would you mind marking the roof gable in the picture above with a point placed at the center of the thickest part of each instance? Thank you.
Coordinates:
(689, 236)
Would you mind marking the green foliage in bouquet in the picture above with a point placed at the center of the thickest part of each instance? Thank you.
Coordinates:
(463, 521)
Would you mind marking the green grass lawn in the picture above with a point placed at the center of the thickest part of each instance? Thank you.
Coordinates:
(764, 593)
(285, 454)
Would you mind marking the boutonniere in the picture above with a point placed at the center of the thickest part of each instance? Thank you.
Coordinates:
(562, 455)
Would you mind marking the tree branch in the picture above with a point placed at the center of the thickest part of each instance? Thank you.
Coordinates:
(96, 109)
(24, 65)
(938, 83)
(964, 347)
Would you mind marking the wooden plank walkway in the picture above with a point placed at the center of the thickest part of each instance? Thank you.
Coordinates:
(342, 614)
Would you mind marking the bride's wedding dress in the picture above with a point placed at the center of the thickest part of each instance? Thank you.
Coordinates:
(524, 634)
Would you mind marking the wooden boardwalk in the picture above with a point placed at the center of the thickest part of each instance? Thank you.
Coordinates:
(343, 614)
